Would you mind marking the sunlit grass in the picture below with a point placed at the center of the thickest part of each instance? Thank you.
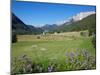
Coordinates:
(53, 49)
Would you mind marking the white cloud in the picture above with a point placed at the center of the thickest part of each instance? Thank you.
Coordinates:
(82, 15)
(76, 17)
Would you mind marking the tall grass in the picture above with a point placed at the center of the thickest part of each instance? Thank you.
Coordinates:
(55, 53)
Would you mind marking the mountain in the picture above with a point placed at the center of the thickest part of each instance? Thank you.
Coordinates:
(86, 23)
(82, 15)
(76, 17)
(82, 21)
(20, 27)
(35, 30)
(48, 27)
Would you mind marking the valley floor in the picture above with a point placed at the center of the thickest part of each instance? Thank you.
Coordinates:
(52, 52)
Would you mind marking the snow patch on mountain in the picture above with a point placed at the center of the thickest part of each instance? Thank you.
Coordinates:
(76, 17)
(82, 15)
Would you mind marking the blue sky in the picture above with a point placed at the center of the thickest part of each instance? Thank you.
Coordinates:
(38, 14)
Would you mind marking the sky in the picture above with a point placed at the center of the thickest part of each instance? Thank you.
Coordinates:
(39, 14)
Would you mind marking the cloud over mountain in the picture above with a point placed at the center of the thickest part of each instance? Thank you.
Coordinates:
(82, 15)
(76, 17)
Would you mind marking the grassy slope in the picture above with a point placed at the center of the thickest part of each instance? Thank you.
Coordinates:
(83, 24)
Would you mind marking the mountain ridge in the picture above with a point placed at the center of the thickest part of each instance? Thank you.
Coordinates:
(20, 27)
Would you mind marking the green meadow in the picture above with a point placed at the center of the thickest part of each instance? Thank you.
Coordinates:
(54, 49)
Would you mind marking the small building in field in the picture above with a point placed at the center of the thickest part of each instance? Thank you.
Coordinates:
(45, 32)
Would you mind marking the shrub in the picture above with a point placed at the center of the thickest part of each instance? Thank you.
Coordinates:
(14, 38)
(81, 33)
(84, 33)
(38, 37)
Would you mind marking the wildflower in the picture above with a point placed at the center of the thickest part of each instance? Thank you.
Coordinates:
(51, 68)
(72, 55)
